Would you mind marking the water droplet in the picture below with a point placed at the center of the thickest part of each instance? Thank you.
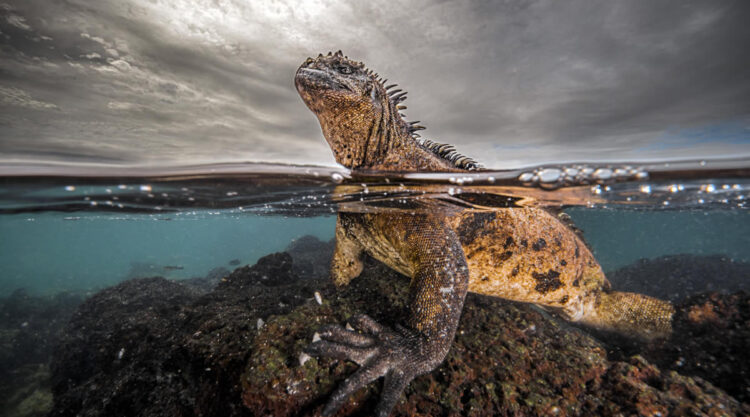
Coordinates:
(526, 177)
(491, 180)
(337, 178)
(602, 174)
(549, 175)
(145, 188)
(646, 189)
(70, 188)
(571, 172)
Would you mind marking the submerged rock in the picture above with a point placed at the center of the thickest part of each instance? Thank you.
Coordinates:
(154, 347)
(312, 257)
(677, 277)
(29, 328)
(507, 359)
(711, 340)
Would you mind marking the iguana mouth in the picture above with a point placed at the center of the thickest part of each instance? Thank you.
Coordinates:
(311, 78)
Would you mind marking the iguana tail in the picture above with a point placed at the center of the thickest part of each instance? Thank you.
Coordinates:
(630, 314)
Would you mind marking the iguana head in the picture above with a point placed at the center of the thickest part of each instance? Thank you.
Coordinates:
(360, 118)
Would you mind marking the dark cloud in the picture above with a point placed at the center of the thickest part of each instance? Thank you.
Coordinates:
(517, 82)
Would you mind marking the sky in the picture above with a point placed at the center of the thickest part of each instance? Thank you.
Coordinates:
(510, 83)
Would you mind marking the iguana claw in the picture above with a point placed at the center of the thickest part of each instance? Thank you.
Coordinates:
(398, 355)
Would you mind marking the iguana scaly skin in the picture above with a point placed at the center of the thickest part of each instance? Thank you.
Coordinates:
(521, 254)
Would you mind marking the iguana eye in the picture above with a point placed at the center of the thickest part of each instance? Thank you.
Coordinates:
(344, 69)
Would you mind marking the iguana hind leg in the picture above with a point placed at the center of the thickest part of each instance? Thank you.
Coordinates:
(629, 313)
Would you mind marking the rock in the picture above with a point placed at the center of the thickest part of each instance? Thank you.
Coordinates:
(120, 354)
(507, 359)
(710, 340)
(29, 328)
(154, 347)
(677, 277)
(270, 270)
(209, 282)
(312, 257)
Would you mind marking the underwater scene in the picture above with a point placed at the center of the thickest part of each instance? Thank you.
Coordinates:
(199, 290)
(222, 208)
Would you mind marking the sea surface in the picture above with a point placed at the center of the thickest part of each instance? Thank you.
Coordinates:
(74, 230)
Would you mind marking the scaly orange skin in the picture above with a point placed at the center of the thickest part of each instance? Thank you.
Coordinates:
(521, 254)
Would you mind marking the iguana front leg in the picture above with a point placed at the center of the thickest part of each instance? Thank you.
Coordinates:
(347, 256)
(436, 296)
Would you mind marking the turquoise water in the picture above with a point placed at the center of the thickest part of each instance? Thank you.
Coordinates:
(68, 233)
(49, 252)
(46, 253)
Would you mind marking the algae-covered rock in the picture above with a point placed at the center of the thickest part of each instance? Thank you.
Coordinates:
(711, 339)
(507, 359)
(677, 277)
(155, 347)
(29, 328)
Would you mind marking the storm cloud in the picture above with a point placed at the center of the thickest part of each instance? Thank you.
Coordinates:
(510, 82)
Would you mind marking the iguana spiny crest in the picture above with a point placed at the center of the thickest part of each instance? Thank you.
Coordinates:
(362, 121)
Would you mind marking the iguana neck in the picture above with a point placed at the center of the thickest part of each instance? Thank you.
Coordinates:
(378, 143)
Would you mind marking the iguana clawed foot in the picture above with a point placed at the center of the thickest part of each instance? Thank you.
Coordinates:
(397, 354)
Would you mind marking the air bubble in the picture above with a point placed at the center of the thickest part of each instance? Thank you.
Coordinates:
(526, 177)
(571, 172)
(549, 175)
(602, 174)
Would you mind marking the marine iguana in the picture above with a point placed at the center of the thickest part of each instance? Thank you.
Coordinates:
(523, 254)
